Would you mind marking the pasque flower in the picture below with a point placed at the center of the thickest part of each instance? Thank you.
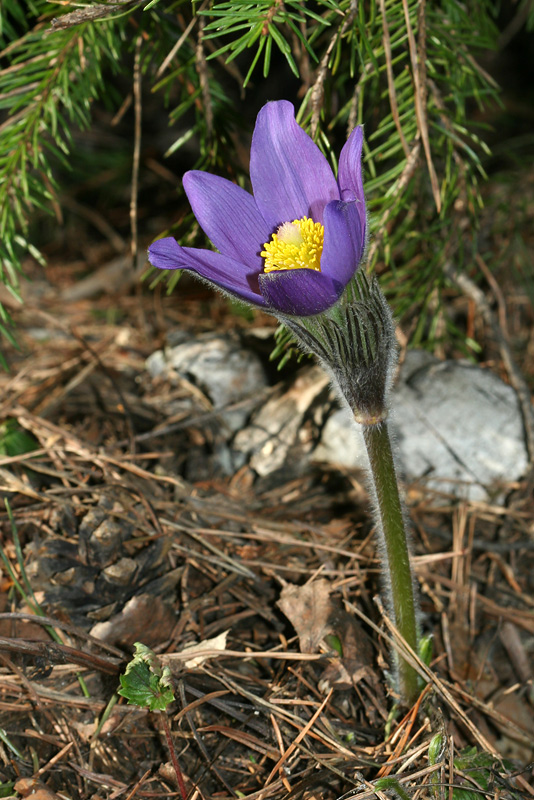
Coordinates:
(295, 243)
(294, 247)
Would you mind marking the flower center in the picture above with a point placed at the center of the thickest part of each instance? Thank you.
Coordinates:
(295, 245)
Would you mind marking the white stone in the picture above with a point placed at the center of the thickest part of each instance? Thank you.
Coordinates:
(456, 425)
(219, 366)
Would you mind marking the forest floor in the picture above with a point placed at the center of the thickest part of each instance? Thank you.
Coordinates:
(107, 541)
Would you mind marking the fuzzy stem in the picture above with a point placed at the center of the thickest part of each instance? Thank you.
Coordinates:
(174, 758)
(398, 577)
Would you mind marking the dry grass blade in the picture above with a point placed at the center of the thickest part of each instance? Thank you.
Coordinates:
(417, 58)
(396, 641)
(391, 81)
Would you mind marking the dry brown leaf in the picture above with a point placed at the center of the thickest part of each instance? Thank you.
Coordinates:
(314, 615)
(356, 663)
(198, 653)
(193, 655)
(145, 618)
(308, 609)
(31, 787)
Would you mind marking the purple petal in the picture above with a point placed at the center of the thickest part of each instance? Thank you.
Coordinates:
(344, 241)
(290, 176)
(350, 172)
(299, 292)
(228, 216)
(304, 292)
(226, 273)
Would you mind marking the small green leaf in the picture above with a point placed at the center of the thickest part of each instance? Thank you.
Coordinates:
(334, 642)
(145, 683)
(426, 649)
(14, 440)
(480, 767)
(435, 750)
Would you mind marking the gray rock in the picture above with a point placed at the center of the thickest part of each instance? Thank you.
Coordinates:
(455, 424)
(219, 366)
(342, 442)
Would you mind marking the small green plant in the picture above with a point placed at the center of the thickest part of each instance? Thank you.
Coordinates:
(147, 684)
(476, 774)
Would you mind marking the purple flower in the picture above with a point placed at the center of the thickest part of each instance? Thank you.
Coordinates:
(292, 246)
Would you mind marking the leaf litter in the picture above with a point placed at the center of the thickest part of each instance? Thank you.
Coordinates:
(271, 580)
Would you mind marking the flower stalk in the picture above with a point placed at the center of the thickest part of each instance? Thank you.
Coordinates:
(355, 341)
(398, 580)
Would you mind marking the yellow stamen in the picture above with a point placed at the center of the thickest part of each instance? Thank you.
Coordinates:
(295, 245)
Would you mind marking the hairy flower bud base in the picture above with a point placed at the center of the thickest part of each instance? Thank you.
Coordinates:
(355, 341)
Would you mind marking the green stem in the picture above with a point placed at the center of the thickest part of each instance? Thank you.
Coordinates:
(398, 574)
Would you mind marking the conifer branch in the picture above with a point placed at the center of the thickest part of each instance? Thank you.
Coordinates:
(353, 65)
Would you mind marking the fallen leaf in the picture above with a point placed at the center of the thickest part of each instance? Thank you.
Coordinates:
(317, 618)
(193, 655)
(31, 787)
(144, 618)
(308, 608)
(356, 661)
